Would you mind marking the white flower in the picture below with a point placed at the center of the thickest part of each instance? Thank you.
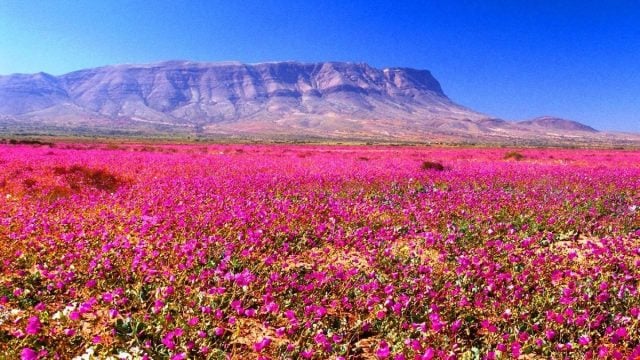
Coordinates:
(88, 353)
(68, 309)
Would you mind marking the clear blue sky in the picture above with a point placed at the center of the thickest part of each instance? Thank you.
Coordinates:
(511, 59)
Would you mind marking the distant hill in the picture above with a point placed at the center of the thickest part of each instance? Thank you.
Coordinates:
(550, 122)
(280, 100)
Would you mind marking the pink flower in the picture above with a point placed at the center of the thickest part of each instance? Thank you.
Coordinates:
(33, 325)
(167, 340)
(515, 349)
(260, 345)
(550, 334)
(74, 315)
(271, 307)
(619, 334)
(28, 354)
(383, 351)
(428, 354)
(456, 325)
(113, 313)
(584, 340)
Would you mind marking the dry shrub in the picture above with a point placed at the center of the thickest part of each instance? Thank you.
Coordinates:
(432, 165)
(112, 146)
(78, 177)
(148, 148)
(30, 142)
(29, 183)
(58, 192)
(513, 155)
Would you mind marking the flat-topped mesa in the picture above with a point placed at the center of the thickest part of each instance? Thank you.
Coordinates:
(266, 100)
(184, 91)
(242, 81)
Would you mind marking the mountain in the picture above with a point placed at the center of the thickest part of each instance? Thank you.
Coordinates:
(550, 122)
(280, 100)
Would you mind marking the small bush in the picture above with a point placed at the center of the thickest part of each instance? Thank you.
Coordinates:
(514, 155)
(30, 142)
(432, 165)
(29, 183)
(78, 176)
(58, 192)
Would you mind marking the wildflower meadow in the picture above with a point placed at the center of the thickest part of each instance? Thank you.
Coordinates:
(145, 251)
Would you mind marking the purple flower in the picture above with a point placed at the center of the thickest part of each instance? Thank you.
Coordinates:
(428, 354)
(74, 315)
(260, 345)
(33, 325)
(28, 354)
(550, 334)
(584, 340)
(167, 340)
(456, 325)
(383, 351)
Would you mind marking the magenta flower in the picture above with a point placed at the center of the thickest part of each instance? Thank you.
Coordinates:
(262, 344)
(584, 340)
(33, 325)
(456, 325)
(167, 340)
(515, 349)
(428, 354)
(74, 315)
(383, 351)
(307, 354)
(28, 354)
(550, 334)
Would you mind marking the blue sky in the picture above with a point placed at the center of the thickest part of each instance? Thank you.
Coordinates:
(510, 59)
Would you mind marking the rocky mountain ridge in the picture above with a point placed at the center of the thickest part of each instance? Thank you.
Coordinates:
(332, 100)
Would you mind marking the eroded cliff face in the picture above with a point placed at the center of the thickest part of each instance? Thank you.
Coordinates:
(203, 92)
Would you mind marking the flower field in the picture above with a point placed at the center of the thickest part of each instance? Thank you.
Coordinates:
(318, 252)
